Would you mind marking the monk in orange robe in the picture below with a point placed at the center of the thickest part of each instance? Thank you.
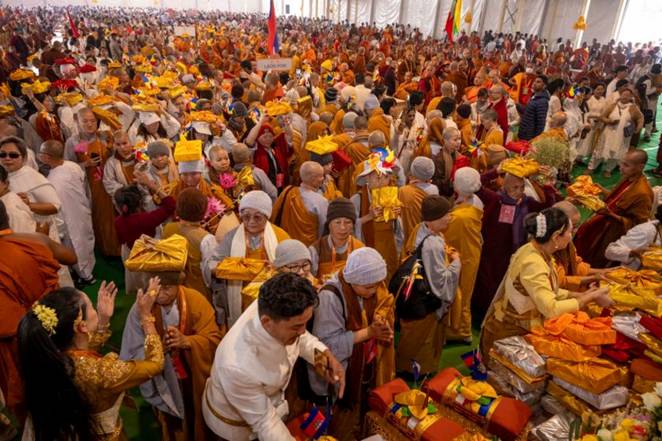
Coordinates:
(406, 87)
(411, 195)
(627, 205)
(191, 341)
(379, 121)
(301, 211)
(28, 269)
(358, 150)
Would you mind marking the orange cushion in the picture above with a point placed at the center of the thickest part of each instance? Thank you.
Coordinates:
(381, 397)
(647, 369)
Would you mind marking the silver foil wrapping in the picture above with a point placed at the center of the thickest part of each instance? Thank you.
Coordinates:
(615, 397)
(628, 325)
(513, 379)
(502, 387)
(520, 353)
(556, 428)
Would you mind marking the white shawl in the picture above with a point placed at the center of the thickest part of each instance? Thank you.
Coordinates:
(238, 249)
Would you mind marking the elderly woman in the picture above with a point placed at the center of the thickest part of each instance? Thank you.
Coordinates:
(355, 319)
(254, 238)
(35, 191)
(329, 253)
(530, 292)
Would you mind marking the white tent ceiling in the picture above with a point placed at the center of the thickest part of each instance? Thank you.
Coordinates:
(549, 19)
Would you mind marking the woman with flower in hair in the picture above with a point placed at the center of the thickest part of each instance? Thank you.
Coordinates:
(530, 292)
(58, 341)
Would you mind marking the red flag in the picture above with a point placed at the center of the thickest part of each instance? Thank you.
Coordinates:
(72, 25)
(272, 40)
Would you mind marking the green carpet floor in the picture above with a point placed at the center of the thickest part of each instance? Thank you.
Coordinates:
(139, 422)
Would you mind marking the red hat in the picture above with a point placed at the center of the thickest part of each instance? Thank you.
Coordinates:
(65, 85)
(87, 68)
(65, 60)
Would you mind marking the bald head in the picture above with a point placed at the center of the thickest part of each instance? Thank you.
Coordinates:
(376, 139)
(447, 89)
(558, 120)
(312, 174)
(326, 117)
(241, 154)
(570, 210)
(633, 163)
(360, 123)
(450, 132)
(637, 156)
(52, 148)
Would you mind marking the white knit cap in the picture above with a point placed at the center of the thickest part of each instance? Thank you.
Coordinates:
(371, 103)
(191, 166)
(365, 266)
(348, 120)
(148, 118)
(257, 200)
(467, 181)
(290, 251)
(422, 168)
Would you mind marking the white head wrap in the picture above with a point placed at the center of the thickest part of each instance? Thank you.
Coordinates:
(365, 266)
(467, 181)
(257, 200)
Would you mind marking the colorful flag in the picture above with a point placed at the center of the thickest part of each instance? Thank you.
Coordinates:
(454, 19)
(272, 40)
(72, 25)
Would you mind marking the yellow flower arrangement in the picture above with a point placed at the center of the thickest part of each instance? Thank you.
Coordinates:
(47, 316)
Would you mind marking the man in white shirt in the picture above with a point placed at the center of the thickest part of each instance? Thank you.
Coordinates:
(245, 395)
(628, 249)
(68, 179)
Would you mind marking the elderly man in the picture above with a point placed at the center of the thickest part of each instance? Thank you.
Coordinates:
(499, 103)
(556, 128)
(503, 233)
(627, 205)
(251, 177)
(301, 211)
(68, 179)
(244, 397)
(254, 238)
(411, 195)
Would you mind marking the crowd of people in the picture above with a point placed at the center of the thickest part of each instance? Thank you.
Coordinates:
(268, 221)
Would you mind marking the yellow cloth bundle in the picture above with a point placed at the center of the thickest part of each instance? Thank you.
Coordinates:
(163, 82)
(188, 150)
(630, 297)
(580, 328)
(177, 91)
(387, 199)
(6, 110)
(21, 74)
(520, 167)
(239, 268)
(38, 87)
(586, 193)
(245, 177)
(70, 98)
(652, 258)
(101, 100)
(251, 291)
(646, 279)
(146, 107)
(277, 108)
(109, 82)
(595, 376)
(151, 255)
(144, 68)
(653, 343)
(322, 145)
(107, 117)
(204, 116)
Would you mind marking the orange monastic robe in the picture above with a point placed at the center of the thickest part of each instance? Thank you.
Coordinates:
(464, 234)
(379, 235)
(411, 197)
(197, 320)
(358, 152)
(570, 268)
(405, 89)
(379, 121)
(290, 214)
(27, 271)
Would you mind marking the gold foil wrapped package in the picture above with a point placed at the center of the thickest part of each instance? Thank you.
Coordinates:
(239, 268)
(612, 398)
(520, 353)
(554, 429)
(568, 400)
(151, 255)
(652, 259)
(515, 369)
(502, 386)
(520, 167)
(595, 376)
(387, 199)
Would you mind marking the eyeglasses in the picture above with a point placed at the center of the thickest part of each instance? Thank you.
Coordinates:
(298, 268)
(256, 218)
(12, 155)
